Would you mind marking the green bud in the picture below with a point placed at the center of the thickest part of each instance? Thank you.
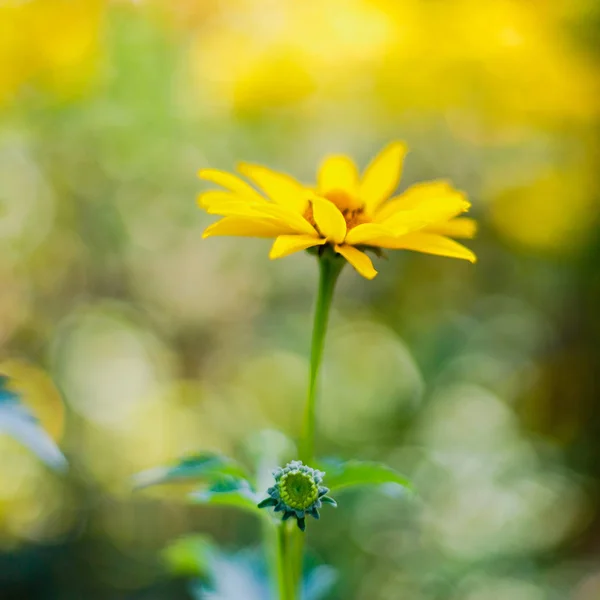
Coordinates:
(297, 492)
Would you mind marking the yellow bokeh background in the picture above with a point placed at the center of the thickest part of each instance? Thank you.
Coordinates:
(134, 341)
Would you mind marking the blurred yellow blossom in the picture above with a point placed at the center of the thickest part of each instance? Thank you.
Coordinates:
(555, 213)
(345, 211)
(53, 44)
(507, 59)
(244, 74)
(257, 55)
(13, 67)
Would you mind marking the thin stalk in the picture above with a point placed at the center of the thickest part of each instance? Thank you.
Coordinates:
(330, 267)
(275, 557)
(296, 541)
(285, 574)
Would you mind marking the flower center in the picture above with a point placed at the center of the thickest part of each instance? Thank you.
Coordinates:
(343, 200)
(298, 490)
(352, 210)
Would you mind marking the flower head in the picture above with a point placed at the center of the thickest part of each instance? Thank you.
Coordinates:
(297, 492)
(346, 211)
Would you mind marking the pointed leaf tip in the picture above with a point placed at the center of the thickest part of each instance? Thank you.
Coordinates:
(267, 502)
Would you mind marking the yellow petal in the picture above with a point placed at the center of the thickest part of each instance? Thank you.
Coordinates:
(231, 205)
(288, 244)
(359, 260)
(338, 173)
(228, 204)
(382, 176)
(429, 243)
(239, 206)
(236, 208)
(413, 196)
(361, 234)
(246, 227)
(427, 213)
(214, 197)
(281, 188)
(295, 221)
(230, 182)
(456, 228)
(329, 219)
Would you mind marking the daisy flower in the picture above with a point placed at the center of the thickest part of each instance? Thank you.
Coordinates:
(345, 211)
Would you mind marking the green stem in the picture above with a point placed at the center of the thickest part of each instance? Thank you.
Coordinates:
(330, 266)
(297, 553)
(285, 574)
(275, 557)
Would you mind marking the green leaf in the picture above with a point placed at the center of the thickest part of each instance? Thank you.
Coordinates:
(206, 466)
(18, 422)
(341, 475)
(243, 574)
(230, 491)
(190, 556)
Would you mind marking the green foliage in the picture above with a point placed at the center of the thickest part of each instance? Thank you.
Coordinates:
(18, 422)
(224, 575)
(189, 556)
(226, 481)
(229, 491)
(358, 473)
(206, 466)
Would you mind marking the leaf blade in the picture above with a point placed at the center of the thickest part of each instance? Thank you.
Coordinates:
(352, 473)
(19, 423)
(233, 492)
(206, 466)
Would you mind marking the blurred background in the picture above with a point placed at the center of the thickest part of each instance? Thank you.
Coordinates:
(136, 342)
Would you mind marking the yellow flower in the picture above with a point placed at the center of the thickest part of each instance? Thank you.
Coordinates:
(51, 44)
(348, 212)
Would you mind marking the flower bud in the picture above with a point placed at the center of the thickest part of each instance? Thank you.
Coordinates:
(297, 492)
